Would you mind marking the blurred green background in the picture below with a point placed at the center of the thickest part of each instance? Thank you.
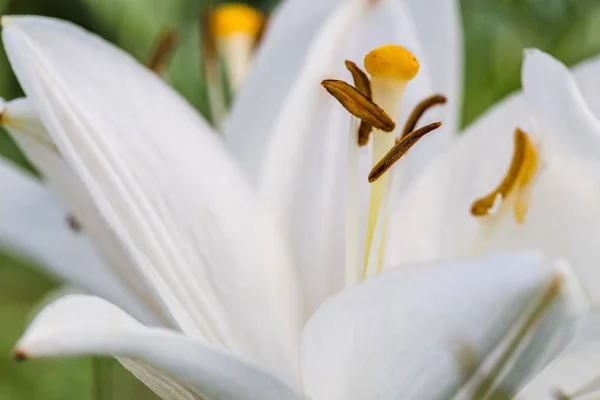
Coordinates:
(496, 31)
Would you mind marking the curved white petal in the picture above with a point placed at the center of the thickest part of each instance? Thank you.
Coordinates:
(85, 325)
(21, 121)
(442, 331)
(587, 75)
(573, 374)
(439, 26)
(433, 219)
(558, 107)
(278, 62)
(166, 188)
(34, 226)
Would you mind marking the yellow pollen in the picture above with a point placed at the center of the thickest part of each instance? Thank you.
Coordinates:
(392, 61)
(232, 18)
(520, 174)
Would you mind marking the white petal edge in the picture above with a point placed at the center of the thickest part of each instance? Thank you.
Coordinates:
(86, 325)
(441, 330)
(34, 227)
(587, 76)
(439, 26)
(156, 186)
(21, 121)
(558, 106)
(277, 64)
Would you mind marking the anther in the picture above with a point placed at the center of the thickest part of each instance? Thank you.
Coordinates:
(419, 110)
(163, 51)
(74, 224)
(359, 105)
(399, 150)
(363, 85)
(521, 172)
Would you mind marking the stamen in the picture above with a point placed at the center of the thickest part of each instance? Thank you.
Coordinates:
(522, 170)
(419, 110)
(361, 80)
(359, 105)
(232, 18)
(391, 68)
(363, 85)
(400, 149)
(236, 28)
(211, 70)
(163, 51)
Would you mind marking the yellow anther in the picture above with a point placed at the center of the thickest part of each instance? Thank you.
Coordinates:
(522, 170)
(232, 18)
(392, 61)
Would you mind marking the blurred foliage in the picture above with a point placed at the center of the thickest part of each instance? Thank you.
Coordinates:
(496, 31)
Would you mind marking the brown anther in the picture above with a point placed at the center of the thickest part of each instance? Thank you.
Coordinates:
(360, 78)
(74, 223)
(363, 85)
(419, 110)
(19, 355)
(523, 168)
(207, 39)
(163, 50)
(359, 105)
(559, 395)
(400, 149)
(261, 34)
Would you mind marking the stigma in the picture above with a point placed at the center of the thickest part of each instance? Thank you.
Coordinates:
(516, 184)
(392, 61)
(235, 18)
(236, 29)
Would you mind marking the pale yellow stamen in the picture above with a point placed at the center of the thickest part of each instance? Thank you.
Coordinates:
(233, 18)
(523, 168)
(236, 29)
(391, 68)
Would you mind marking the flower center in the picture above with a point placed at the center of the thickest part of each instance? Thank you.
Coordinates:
(373, 101)
(516, 183)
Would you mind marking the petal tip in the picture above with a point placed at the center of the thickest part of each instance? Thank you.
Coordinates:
(5, 20)
(20, 355)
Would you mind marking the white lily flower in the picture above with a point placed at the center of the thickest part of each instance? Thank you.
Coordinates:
(171, 211)
(552, 210)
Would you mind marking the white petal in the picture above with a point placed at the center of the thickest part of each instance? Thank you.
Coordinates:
(21, 121)
(439, 27)
(557, 105)
(166, 188)
(433, 220)
(277, 64)
(574, 374)
(86, 325)
(34, 226)
(587, 75)
(442, 331)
